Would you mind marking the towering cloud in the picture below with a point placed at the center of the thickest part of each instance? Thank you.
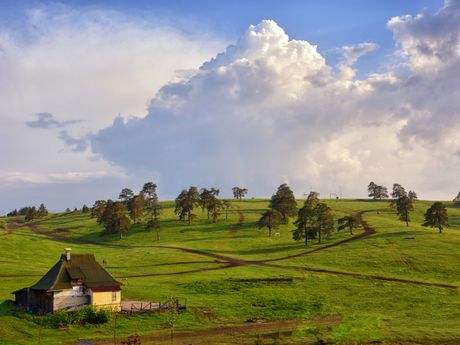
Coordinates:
(270, 109)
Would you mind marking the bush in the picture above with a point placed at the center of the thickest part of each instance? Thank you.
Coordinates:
(86, 315)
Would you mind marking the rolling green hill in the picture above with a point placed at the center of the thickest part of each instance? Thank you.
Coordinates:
(387, 283)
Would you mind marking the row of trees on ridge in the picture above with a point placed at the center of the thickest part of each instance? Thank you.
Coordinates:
(29, 212)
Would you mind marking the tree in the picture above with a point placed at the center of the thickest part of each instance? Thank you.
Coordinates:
(324, 220)
(136, 207)
(42, 211)
(149, 191)
(239, 193)
(125, 195)
(186, 202)
(313, 196)
(403, 208)
(215, 207)
(85, 209)
(226, 204)
(306, 219)
(377, 192)
(31, 213)
(270, 219)
(13, 213)
(114, 219)
(154, 222)
(23, 210)
(284, 202)
(98, 209)
(350, 222)
(208, 199)
(436, 216)
(412, 195)
(398, 191)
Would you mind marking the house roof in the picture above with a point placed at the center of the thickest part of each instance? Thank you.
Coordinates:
(82, 267)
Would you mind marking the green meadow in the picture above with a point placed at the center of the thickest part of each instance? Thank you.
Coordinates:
(399, 285)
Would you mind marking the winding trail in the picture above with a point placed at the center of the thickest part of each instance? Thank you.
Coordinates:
(229, 262)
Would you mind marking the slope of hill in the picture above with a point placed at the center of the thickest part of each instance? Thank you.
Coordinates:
(387, 283)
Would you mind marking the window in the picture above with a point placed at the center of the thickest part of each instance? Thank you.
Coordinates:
(114, 296)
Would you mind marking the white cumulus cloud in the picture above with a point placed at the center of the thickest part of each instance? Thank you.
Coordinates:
(269, 109)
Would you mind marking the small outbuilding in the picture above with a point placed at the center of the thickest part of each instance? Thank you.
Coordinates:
(74, 281)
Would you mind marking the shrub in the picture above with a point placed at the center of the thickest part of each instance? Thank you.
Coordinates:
(85, 315)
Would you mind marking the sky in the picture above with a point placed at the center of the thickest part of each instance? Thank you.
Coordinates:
(323, 95)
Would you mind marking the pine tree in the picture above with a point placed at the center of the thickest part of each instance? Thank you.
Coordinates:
(136, 207)
(348, 222)
(436, 216)
(98, 209)
(226, 205)
(284, 202)
(114, 219)
(208, 199)
(42, 211)
(403, 208)
(270, 219)
(186, 201)
(125, 195)
(155, 212)
(324, 220)
(377, 192)
(306, 219)
(149, 191)
(239, 193)
(31, 213)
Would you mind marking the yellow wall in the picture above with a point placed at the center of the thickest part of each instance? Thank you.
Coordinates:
(104, 299)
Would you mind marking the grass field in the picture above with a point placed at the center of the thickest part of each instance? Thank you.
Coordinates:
(398, 285)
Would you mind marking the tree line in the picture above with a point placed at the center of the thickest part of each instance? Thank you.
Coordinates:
(117, 216)
(29, 212)
(403, 203)
(314, 220)
(207, 199)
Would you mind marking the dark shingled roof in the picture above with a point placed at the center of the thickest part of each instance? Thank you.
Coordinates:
(81, 266)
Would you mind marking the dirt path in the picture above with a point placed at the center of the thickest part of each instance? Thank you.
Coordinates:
(208, 336)
(229, 262)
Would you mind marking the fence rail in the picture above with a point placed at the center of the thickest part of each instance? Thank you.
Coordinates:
(131, 307)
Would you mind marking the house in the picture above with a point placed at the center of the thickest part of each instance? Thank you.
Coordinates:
(74, 281)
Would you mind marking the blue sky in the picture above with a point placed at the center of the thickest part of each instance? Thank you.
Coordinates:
(328, 23)
(214, 94)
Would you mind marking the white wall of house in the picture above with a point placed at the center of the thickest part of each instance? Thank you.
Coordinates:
(70, 298)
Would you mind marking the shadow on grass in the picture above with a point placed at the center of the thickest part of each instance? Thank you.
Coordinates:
(265, 250)
(400, 234)
(6, 307)
(217, 238)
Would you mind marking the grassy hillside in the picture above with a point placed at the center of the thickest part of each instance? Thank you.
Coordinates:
(397, 285)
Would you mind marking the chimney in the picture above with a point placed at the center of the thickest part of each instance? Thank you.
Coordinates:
(67, 253)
